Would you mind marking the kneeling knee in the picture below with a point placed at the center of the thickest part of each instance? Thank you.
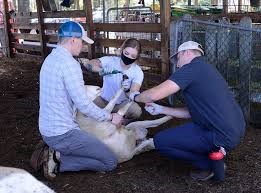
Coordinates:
(111, 164)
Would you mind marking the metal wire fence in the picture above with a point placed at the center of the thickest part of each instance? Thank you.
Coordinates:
(132, 15)
(235, 50)
(2, 35)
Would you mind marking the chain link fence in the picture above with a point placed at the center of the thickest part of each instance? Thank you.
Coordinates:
(132, 15)
(234, 49)
(2, 35)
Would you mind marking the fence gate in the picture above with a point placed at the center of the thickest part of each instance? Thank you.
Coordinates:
(235, 50)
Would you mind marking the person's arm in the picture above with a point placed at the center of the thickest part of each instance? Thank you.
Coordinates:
(176, 112)
(73, 80)
(135, 84)
(159, 92)
(155, 109)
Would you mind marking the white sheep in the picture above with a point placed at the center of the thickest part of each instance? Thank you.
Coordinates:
(15, 180)
(125, 141)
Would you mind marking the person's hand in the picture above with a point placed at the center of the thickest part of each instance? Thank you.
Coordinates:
(153, 108)
(107, 69)
(133, 95)
(126, 84)
(117, 119)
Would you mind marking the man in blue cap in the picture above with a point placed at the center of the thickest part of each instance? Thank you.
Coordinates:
(217, 122)
(62, 89)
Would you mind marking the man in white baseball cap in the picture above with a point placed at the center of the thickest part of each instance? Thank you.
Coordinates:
(189, 45)
(62, 91)
(216, 121)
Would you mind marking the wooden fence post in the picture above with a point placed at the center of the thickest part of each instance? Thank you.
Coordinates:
(165, 21)
(89, 27)
(7, 27)
(39, 6)
(245, 53)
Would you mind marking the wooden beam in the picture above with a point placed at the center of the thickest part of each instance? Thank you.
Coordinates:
(145, 44)
(41, 28)
(165, 23)
(27, 47)
(128, 27)
(27, 56)
(66, 14)
(50, 14)
(7, 28)
(32, 37)
(89, 26)
(17, 25)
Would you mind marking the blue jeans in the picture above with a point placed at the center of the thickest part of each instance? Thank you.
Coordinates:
(82, 151)
(187, 142)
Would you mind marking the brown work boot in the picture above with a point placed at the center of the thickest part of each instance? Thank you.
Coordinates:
(36, 160)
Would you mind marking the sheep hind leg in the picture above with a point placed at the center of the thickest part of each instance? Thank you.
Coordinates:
(144, 146)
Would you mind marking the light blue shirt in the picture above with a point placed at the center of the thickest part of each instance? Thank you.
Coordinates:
(61, 90)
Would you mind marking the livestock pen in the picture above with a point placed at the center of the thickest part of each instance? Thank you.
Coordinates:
(232, 48)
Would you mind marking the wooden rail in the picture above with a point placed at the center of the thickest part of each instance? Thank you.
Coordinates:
(40, 44)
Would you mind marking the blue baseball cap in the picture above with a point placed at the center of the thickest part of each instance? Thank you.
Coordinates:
(73, 29)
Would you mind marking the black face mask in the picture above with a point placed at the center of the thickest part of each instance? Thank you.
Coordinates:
(126, 60)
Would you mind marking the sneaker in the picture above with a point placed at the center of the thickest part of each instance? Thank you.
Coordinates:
(50, 166)
(219, 168)
(202, 175)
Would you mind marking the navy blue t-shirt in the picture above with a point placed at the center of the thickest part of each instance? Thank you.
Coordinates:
(210, 102)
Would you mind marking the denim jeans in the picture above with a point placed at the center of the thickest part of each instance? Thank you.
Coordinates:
(82, 151)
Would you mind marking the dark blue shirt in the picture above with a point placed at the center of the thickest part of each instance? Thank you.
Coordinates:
(210, 102)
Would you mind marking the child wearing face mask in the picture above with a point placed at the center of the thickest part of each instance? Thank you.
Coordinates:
(113, 68)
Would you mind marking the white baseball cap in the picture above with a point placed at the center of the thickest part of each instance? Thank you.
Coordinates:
(189, 45)
(74, 29)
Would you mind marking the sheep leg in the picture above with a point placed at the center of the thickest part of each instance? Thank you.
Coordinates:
(148, 124)
(109, 107)
(112, 103)
(144, 146)
(122, 111)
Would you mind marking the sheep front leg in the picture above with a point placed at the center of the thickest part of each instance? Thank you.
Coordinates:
(112, 102)
(109, 107)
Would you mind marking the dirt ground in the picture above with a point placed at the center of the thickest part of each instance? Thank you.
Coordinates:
(148, 172)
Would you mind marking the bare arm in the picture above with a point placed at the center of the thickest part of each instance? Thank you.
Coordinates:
(135, 87)
(176, 112)
(159, 92)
